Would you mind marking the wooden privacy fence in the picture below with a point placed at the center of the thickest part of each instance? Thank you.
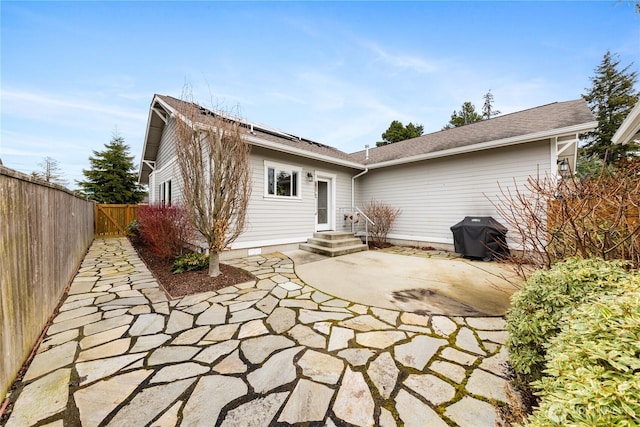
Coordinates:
(602, 212)
(596, 227)
(45, 231)
(112, 220)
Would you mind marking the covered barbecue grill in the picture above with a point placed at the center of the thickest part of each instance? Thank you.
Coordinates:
(480, 237)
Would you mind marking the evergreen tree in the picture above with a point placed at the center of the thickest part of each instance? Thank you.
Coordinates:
(465, 116)
(399, 132)
(611, 98)
(50, 172)
(591, 166)
(113, 177)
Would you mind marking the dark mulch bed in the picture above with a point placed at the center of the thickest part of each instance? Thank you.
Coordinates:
(379, 246)
(189, 282)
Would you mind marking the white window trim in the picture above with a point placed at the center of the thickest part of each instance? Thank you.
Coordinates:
(152, 187)
(332, 178)
(162, 172)
(286, 167)
(165, 196)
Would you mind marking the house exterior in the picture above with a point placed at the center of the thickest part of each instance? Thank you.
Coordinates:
(300, 186)
(439, 178)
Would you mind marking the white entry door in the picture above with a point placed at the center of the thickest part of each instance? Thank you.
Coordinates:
(324, 204)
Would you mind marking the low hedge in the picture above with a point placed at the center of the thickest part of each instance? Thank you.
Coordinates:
(538, 309)
(592, 376)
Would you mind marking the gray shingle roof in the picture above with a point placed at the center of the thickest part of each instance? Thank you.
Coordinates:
(548, 117)
(274, 135)
(540, 119)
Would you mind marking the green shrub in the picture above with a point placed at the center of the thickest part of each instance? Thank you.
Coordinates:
(593, 372)
(545, 299)
(133, 228)
(190, 262)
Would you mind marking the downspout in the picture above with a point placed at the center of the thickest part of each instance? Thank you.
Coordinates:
(353, 193)
(353, 179)
(353, 187)
(353, 184)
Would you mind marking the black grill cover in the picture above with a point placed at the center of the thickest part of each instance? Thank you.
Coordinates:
(479, 237)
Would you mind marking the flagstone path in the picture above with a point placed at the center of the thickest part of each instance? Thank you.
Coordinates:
(274, 352)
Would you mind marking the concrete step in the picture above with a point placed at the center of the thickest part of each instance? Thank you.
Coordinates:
(327, 243)
(333, 252)
(333, 235)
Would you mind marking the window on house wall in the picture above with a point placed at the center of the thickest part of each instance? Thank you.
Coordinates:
(164, 191)
(282, 180)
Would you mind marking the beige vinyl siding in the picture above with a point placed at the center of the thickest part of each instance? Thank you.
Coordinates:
(273, 221)
(166, 150)
(166, 167)
(435, 194)
(170, 171)
(152, 188)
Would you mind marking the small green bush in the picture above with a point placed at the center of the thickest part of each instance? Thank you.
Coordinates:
(133, 228)
(539, 308)
(190, 262)
(593, 370)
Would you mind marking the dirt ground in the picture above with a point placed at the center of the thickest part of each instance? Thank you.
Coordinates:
(189, 282)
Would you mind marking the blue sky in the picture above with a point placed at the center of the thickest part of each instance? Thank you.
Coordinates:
(334, 72)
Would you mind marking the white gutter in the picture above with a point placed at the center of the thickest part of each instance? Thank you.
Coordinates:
(353, 187)
(629, 127)
(300, 152)
(585, 127)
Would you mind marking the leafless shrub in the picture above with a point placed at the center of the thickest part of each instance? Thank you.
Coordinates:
(165, 229)
(555, 219)
(213, 157)
(383, 217)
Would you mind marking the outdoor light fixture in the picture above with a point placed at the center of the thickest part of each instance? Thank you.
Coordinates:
(309, 177)
(563, 165)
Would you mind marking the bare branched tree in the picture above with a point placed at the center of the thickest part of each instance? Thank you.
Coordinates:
(50, 172)
(213, 157)
(555, 219)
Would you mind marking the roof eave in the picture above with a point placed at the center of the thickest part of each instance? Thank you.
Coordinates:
(520, 139)
(143, 178)
(259, 142)
(629, 127)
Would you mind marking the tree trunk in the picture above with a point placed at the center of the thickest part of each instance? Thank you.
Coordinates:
(214, 263)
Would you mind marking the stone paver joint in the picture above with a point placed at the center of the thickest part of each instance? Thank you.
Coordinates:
(274, 351)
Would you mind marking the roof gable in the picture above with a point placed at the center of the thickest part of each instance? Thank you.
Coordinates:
(534, 121)
(163, 106)
(259, 131)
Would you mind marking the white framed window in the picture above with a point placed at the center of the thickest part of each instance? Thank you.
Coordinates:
(164, 190)
(282, 180)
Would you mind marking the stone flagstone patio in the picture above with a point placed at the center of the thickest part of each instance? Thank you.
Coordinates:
(275, 352)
